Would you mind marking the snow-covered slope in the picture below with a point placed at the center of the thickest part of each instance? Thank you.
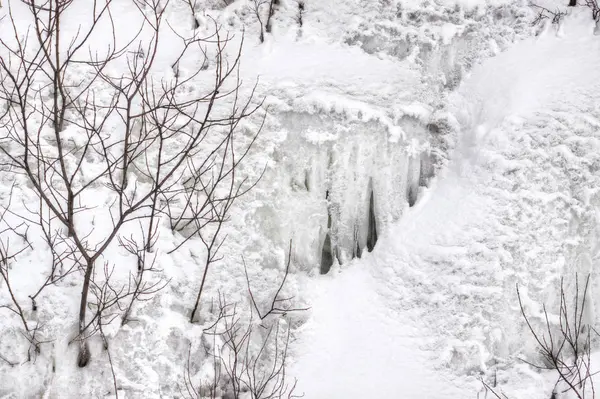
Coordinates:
(477, 176)
(516, 205)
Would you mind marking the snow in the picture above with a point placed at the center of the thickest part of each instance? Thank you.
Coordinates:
(440, 289)
(359, 346)
(401, 98)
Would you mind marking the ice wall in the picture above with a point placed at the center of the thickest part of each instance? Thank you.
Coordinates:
(341, 183)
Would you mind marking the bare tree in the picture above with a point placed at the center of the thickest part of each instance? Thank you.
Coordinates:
(278, 305)
(272, 4)
(257, 6)
(564, 346)
(248, 358)
(208, 196)
(301, 12)
(8, 256)
(593, 5)
(567, 349)
(145, 137)
(139, 288)
(264, 22)
(545, 13)
(192, 4)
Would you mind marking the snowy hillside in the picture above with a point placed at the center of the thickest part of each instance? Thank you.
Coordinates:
(404, 166)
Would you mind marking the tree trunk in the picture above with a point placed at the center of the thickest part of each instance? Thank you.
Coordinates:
(84, 354)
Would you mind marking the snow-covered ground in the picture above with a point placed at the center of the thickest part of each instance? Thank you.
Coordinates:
(517, 204)
(455, 104)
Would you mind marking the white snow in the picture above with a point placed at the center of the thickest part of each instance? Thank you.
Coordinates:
(366, 95)
(439, 292)
(360, 344)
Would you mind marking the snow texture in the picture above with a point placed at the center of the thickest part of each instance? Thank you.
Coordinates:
(475, 132)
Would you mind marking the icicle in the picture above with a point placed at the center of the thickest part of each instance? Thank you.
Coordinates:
(426, 170)
(413, 178)
(357, 250)
(372, 234)
(306, 180)
(326, 255)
